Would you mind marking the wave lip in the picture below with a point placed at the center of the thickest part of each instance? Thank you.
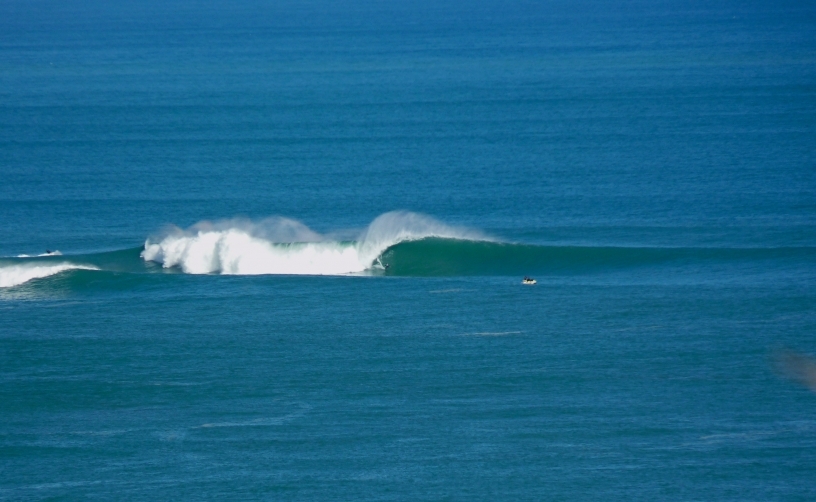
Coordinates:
(392, 228)
(14, 275)
(284, 246)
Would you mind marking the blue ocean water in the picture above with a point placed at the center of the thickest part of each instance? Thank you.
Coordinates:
(254, 251)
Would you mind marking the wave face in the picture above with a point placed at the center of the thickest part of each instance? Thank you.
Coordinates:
(453, 257)
(14, 275)
(394, 244)
(284, 246)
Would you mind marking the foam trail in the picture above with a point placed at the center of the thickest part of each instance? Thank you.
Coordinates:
(284, 246)
(14, 275)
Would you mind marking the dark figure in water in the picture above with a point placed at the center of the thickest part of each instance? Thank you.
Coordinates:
(47, 251)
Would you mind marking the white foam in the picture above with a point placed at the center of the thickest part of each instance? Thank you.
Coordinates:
(50, 253)
(14, 275)
(284, 246)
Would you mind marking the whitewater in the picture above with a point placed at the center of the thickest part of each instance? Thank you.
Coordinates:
(274, 245)
(14, 275)
(285, 246)
(398, 243)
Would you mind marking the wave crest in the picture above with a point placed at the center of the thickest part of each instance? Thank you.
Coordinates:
(14, 275)
(285, 246)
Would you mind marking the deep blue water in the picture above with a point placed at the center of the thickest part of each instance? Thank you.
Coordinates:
(377, 178)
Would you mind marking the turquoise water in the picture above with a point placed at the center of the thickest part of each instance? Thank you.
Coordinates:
(275, 252)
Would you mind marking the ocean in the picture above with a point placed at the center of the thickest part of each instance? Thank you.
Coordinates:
(275, 250)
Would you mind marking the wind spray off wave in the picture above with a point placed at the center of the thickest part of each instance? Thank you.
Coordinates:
(285, 246)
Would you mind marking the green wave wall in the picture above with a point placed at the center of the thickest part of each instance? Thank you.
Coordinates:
(448, 257)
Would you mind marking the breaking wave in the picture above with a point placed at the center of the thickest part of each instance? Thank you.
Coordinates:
(284, 246)
(394, 244)
(14, 275)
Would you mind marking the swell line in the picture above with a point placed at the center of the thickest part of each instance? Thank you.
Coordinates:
(394, 244)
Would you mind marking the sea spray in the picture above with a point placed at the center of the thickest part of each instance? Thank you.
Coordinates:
(285, 246)
(395, 244)
(391, 228)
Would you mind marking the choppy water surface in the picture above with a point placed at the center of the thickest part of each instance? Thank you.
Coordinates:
(252, 251)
